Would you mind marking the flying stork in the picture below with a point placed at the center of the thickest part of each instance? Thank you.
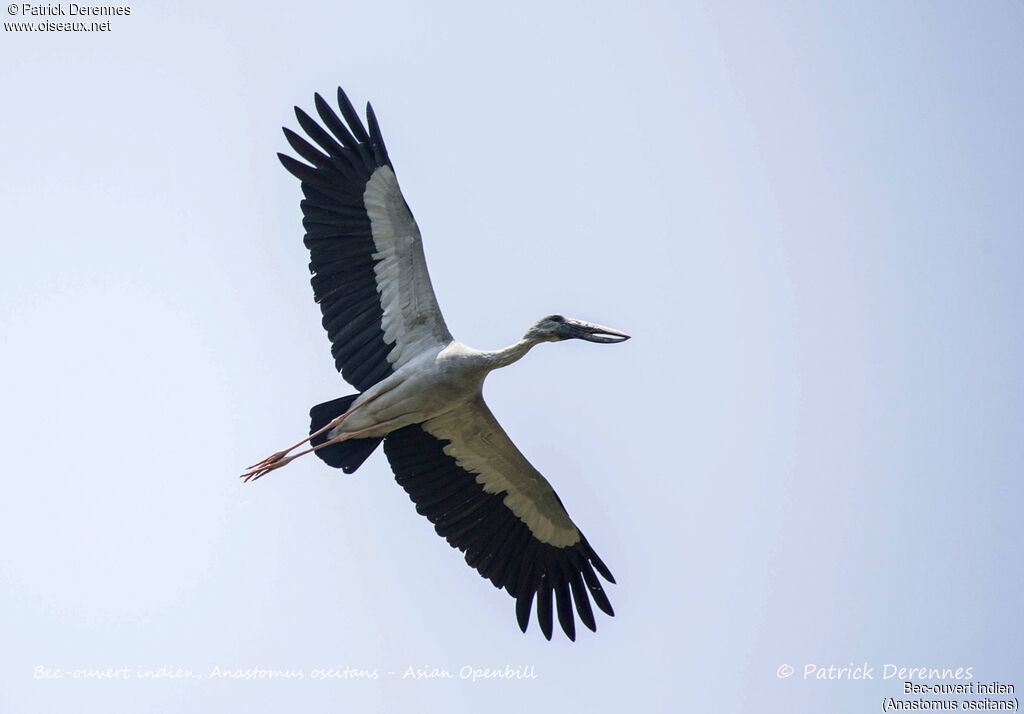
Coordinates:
(419, 388)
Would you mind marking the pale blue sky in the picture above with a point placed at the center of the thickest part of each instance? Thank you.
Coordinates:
(808, 216)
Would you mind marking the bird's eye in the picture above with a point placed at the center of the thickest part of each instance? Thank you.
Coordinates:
(557, 318)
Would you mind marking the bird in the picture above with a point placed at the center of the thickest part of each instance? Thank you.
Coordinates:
(419, 389)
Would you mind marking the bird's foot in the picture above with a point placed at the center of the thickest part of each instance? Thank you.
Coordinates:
(273, 458)
(268, 464)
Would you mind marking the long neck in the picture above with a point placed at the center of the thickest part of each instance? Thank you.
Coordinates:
(512, 353)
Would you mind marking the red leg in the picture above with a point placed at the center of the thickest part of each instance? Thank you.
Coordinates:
(278, 455)
(265, 467)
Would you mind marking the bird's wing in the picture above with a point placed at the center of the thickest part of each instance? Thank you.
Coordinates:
(369, 274)
(483, 496)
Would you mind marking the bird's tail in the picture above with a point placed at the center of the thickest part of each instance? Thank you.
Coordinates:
(346, 455)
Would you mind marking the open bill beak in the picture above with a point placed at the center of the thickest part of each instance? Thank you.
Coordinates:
(595, 333)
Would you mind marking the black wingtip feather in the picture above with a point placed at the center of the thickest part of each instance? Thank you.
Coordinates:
(316, 132)
(354, 122)
(333, 122)
(602, 568)
(598, 564)
(601, 600)
(594, 587)
(563, 603)
(376, 138)
(544, 593)
(524, 605)
(304, 149)
(296, 168)
(579, 595)
(524, 581)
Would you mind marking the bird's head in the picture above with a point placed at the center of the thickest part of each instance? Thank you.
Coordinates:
(554, 328)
